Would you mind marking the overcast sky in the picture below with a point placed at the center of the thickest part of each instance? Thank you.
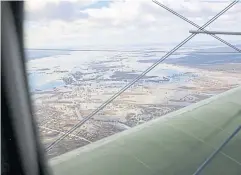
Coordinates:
(93, 23)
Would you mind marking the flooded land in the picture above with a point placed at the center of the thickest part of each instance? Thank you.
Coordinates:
(64, 93)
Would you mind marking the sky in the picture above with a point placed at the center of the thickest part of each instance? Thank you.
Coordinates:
(76, 24)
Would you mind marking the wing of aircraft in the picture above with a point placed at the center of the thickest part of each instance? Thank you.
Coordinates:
(177, 143)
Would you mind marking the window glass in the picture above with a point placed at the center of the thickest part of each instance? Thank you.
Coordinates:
(81, 53)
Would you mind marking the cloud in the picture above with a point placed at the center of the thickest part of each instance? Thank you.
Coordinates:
(56, 10)
(75, 24)
(32, 5)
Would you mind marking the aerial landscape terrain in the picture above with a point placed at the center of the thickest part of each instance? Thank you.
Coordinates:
(67, 85)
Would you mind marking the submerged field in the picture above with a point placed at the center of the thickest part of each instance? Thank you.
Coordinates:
(68, 86)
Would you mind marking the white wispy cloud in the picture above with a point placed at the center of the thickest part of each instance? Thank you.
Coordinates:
(78, 23)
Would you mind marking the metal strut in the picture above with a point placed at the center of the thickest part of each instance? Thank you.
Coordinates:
(215, 32)
(194, 24)
(210, 158)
